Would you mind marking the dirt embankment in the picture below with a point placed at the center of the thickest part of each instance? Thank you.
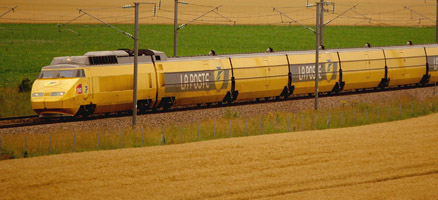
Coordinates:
(396, 160)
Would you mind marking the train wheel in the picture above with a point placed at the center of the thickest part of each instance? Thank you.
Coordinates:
(143, 106)
(86, 110)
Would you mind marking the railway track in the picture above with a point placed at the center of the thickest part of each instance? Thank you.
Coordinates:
(33, 120)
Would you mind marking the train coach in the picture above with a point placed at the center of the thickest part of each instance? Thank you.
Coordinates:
(102, 81)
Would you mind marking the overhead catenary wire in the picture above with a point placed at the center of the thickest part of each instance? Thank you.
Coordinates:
(200, 5)
(11, 9)
(364, 16)
(74, 19)
(328, 22)
(109, 25)
(103, 8)
(419, 14)
(206, 13)
(228, 20)
(356, 16)
(295, 21)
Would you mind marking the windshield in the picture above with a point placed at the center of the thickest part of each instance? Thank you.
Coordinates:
(62, 73)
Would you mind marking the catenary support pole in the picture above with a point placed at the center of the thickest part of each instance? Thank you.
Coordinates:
(134, 101)
(321, 24)
(175, 30)
(318, 9)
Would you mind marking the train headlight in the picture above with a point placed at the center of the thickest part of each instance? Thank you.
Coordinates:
(37, 94)
(57, 93)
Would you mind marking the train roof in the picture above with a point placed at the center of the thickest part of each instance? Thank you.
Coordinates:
(126, 56)
(99, 58)
(299, 52)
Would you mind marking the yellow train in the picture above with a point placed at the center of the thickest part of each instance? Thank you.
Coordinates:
(101, 82)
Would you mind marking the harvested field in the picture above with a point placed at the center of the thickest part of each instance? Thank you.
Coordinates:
(366, 12)
(396, 160)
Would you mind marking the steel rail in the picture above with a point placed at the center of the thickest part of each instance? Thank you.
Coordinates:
(18, 117)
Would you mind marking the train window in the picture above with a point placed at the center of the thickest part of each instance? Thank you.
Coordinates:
(69, 73)
(82, 73)
(62, 74)
(48, 74)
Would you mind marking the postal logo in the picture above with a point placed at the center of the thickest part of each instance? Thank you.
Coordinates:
(52, 83)
(219, 77)
(329, 70)
(79, 89)
(207, 80)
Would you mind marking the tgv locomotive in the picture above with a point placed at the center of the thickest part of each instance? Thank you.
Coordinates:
(102, 81)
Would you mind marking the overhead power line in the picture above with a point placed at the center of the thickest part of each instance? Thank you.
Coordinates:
(293, 20)
(109, 25)
(11, 9)
(340, 15)
(424, 17)
(214, 10)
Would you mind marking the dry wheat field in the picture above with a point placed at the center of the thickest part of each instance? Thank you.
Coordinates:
(396, 160)
(365, 12)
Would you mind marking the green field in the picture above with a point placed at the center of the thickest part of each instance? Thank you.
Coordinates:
(25, 48)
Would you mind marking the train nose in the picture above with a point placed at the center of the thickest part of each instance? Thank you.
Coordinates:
(52, 99)
(38, 101)
(47, 101)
